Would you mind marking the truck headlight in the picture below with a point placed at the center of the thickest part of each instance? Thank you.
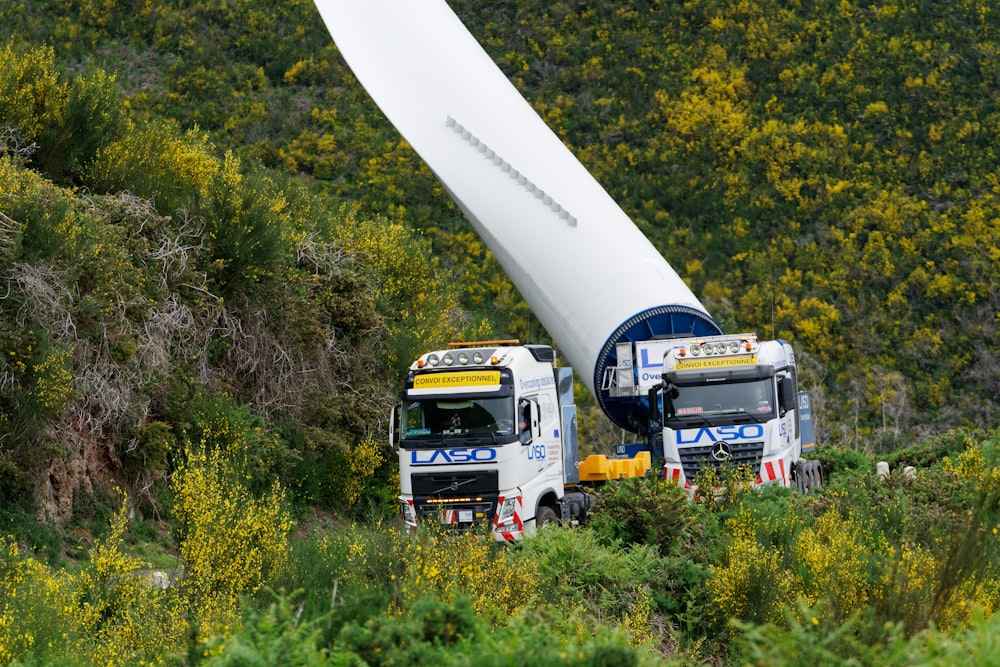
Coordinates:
(408, 512)
(506, 510)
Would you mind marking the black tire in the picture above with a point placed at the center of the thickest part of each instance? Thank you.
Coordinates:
(808, 476)
(817, 474)
(545, 516)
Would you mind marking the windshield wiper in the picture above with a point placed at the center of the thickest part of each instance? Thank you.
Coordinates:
(483, 438)
(425, 440)
(759, 417)
(743, 415)
(692, 418)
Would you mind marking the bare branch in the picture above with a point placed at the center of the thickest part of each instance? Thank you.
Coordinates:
(321, 256)
(13, 143)
(176, 253)
(9, 228)
(46, 299)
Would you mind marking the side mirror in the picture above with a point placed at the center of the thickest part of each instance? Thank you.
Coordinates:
(654, 404)
(670, 392)
(394, 420)
(787, 398)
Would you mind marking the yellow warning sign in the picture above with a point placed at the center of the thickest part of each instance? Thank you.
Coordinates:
(457, 379)
(715, 362)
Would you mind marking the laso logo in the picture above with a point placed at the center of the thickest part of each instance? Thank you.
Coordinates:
(481, 455)
(735, 432)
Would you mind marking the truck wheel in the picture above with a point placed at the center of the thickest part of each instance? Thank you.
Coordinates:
(817, 475)
(546, 515)
(808, 476)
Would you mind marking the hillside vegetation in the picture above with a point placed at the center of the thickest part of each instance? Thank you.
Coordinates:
(823, 172)
(218, 258)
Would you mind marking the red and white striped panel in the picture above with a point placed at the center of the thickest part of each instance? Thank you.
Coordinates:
(514, 531)
(773, 471)
(674, 475)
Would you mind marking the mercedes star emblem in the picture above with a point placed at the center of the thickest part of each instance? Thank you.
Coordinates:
(721, 451)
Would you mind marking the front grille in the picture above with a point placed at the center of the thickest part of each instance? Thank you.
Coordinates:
(746, 454)
(458, 483)
(452, 497)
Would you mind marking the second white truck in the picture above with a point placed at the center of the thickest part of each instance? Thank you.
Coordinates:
(720, 401)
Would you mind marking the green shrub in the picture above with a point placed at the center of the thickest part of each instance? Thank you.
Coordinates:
(751, 581)
(536, 638)
(410, 286)
(903, 551)
(119, 616)
(934, 552)
(37, 386)
(90, 118)
(470, 565)
(837, 461)
(248, 227)
(159, 162)
(599, 579)
(644, 511)
(254, 454)
(339, 562)
(425, 635)
(107, 613)
(38, 382)
(32, 603)
(438, 633)
(806, 639)
(68, 122)
(30, 89)
(976, 645)
(276, 635)
(811, 636)
(686, 535)
(935, 449)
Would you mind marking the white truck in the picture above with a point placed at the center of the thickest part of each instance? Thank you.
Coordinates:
(726, 400)
(486, 436)
(604, 294)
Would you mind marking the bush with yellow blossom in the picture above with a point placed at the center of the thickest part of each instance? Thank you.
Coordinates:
(232, 542)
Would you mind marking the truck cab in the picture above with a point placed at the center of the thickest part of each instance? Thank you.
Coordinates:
(730, 401)
(486, 438)
(721, 401)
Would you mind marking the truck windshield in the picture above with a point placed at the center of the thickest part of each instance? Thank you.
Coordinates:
(437, 419)
(755, 398)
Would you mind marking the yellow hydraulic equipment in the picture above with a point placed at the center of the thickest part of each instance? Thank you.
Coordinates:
(600, 468)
